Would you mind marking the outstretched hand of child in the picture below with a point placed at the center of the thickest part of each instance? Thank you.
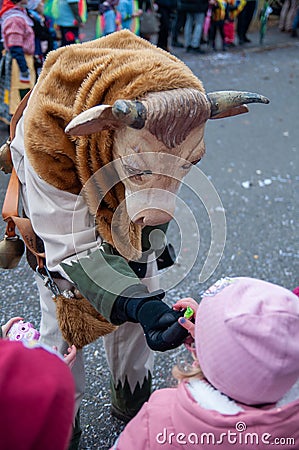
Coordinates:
(6, 327)
(182, 304)
(70, 358)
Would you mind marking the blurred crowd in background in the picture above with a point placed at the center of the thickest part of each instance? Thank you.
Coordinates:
(32, 28)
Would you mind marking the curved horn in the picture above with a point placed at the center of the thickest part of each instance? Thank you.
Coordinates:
(226, 101)
(130, 113)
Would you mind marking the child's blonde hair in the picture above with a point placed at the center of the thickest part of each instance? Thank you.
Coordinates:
(190, 371)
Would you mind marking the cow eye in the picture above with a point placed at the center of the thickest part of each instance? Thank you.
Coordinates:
(136, 173)
(187, 166)
(131, 171)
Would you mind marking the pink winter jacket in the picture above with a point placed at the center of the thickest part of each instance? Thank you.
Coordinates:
(16, 31)
(196, 416)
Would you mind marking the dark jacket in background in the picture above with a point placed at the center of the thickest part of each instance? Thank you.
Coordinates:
(167, 4)
(194, 6)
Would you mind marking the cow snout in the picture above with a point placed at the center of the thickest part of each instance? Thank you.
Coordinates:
(152, 217)
(150, 206)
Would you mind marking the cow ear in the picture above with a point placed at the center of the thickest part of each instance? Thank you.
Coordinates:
(93, 120)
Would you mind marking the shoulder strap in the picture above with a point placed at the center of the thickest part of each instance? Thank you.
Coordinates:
(18, 114)
(10, 212)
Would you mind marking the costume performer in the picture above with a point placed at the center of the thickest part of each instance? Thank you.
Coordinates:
(95, 103)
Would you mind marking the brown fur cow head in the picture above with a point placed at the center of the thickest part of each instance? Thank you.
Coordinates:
(121, 100)
(147, 131)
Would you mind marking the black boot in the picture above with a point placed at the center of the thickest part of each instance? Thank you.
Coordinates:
(125, 404)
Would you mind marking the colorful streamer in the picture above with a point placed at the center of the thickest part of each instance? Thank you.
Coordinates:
(82, 7)
(100, 26)
(55, 9)
(135, 27)
(48, 8)
(117, 21)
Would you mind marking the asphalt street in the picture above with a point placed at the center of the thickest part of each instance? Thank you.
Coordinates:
(252, 163)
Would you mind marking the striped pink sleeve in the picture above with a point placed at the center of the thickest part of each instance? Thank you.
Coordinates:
(17, 32)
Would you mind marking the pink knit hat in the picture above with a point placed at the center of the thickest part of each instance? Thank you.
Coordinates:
(37, 398)
(247, 339)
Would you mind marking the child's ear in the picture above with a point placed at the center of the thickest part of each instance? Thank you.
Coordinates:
(195, 363)
(190, 346)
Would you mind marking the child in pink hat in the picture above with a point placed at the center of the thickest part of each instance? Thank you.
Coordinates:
(243, 390)
(37, 398)
(69, 358)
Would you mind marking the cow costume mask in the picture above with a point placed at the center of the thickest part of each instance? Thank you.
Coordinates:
(113, 98)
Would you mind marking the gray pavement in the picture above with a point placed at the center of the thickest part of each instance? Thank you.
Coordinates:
(252, 161)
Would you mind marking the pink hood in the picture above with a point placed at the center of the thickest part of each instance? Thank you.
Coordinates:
(174, 419)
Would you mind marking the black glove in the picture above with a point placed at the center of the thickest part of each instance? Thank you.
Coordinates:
(159, 321)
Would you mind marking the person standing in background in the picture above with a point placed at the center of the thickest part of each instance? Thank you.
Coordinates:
(178, 25)
(287, 15)
(244, 21)
(165, 9)
(217, 22)
(18, 40)
(128, 13)
(233, 8)
(69, 21)
(195, 15)
(44, 41)
(109, 18)
(295, 23)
